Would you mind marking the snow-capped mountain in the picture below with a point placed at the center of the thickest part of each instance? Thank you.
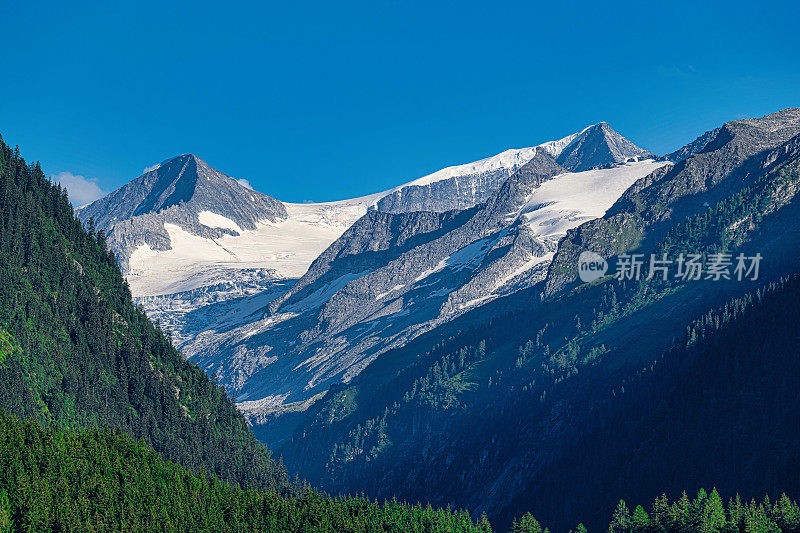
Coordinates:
(182, 193)
(595, 146)
(391, 277)
(281, 300)
(183, 225)
(463, 186)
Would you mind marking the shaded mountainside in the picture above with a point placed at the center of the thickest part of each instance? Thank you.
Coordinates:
(494, 416)
(75, 352)
(721, 406)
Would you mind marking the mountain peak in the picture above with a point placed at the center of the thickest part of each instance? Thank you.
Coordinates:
(180, 179)
(463, 186)
(177, 192)
(183, 158)
(598, 145)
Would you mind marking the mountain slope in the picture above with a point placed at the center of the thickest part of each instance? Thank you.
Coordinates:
(737, 155)
(75, 351)
(503, 409)
(391, 277)
(696, 414)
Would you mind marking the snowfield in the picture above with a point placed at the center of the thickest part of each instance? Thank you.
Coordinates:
(570, 199)
(286, 247)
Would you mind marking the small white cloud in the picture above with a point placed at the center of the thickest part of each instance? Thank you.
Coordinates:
(244, 183)
(81, 190)
(148, 169)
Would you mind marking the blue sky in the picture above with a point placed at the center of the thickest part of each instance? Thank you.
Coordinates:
(328, 100)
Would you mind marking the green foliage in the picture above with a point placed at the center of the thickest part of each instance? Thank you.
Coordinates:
(6, 345)
(527, 524)
(707, 514)
(98, 480)
(75, 352)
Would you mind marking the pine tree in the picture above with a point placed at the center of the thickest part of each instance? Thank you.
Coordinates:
(621, 520)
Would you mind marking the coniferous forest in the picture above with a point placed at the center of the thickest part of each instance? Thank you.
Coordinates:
(99, 480)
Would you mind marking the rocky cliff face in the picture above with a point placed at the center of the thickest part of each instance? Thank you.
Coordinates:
(371, 273)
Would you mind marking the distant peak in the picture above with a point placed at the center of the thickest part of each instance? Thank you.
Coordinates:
(604, 127)
(181, 158)
(597, 145)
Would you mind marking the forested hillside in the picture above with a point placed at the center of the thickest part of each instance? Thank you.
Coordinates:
(720, 407)
(75, 352)
(96, 480)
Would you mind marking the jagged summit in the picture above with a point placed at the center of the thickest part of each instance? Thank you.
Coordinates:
(184, 191)
(598, 145)
(463, 186)
(184, 179)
